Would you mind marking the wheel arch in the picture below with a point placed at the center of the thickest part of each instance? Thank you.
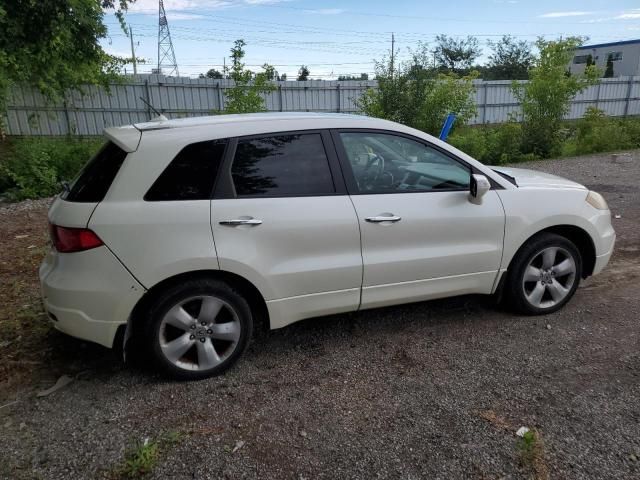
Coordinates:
(247, 289)
(578, 236)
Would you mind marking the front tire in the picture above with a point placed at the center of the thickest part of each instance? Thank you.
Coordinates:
(198, 329)
(544, 275)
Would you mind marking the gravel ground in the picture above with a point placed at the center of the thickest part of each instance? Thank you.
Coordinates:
(429, 390)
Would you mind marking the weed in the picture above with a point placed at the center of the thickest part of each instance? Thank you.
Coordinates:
(140, 460)
(531, 450)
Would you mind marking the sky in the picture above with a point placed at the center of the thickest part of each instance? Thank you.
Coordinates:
(345, 37)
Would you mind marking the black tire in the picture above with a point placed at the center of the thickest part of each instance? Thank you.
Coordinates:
(514, 287)
(155, 332)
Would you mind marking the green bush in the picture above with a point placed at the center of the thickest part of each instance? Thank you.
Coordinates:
(504, 143)
(545, 98)
(493, 145)
(595, 132)
(417, 95)
(34, 167)
(471, 141)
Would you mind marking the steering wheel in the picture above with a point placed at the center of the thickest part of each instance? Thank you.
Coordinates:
(372, 171)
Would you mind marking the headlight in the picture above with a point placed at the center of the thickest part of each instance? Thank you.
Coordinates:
(597, 201)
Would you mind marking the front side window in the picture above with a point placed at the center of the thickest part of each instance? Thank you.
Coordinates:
(385, 163)
(282, 165)
(191, 174)
(580, 59)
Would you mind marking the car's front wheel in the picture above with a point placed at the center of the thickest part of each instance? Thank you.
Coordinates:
(544, 275)
(199, 328)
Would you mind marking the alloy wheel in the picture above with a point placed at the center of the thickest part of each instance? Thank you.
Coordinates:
(199, 333)
(549, 277)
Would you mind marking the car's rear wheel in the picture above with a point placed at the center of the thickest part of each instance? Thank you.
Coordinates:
(199, 328)
(544, 275)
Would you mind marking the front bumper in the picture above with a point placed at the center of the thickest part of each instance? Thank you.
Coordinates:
(603, 260)
(88, 294)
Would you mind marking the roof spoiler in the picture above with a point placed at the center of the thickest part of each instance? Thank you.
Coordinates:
(127, 138)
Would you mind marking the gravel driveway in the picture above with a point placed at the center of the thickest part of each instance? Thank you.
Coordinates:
(429, 390)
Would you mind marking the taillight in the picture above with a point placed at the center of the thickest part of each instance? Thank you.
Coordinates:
(67, 240)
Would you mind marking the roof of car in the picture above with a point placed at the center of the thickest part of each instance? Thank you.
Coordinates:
(163, 123)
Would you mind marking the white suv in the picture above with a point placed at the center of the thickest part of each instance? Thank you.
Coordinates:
(184, 235)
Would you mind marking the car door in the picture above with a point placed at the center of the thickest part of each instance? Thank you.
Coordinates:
(421, 237)
(282, 219)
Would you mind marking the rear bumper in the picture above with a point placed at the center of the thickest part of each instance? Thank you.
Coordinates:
(88, 294)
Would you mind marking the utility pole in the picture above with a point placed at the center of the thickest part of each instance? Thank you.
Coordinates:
(133, 52)
(166, 54)
(393, 42)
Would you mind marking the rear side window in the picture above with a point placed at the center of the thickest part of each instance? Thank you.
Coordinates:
(191, 174)
(96, 177)
(283, 165)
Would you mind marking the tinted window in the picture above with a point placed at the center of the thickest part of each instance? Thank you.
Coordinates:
(191, 174)
(96, 177)
(281, 166)
(383, 163)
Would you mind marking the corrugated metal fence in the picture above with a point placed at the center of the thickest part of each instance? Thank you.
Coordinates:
(87, 113)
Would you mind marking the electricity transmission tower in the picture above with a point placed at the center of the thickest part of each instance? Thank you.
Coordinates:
(166, 56)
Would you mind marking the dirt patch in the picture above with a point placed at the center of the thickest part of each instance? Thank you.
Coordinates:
(430, 390)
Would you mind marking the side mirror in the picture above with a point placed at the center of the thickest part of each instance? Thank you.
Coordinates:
(478, 186)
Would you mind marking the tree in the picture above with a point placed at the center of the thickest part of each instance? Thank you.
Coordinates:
(546, 97)
(283, 77)
(212, 73)
(417, 95)
(303, 73)
(608, 71)
(510, 59)
(590, 60)
(362, 77)
(54, 46)
(456, 56)
(246, 94)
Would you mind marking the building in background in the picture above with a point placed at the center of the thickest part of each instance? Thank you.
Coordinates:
(625, 57)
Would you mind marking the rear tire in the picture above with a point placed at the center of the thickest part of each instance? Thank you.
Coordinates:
(544, 275)
(198, 329)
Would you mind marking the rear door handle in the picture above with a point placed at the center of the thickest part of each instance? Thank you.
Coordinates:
(241, 221)
(383, 218)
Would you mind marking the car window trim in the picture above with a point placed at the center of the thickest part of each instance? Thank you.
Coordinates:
(224, 188)
(352, 186)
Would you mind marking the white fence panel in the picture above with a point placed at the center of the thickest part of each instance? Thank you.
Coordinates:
(90, 111)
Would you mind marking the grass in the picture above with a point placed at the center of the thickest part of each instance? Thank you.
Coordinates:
(531, 451)
(142, 457)
(140, 460)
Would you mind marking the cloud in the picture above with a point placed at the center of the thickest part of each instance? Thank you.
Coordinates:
(326, 11)
(565, 14)
(150, 7)
(630, 15)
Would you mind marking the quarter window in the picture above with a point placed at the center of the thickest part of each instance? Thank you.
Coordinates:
(384, 163)
(283, 165)
(191, 174)
(96, 177)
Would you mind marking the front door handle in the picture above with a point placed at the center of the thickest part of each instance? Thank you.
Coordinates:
(241, 221)
(383, 218)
